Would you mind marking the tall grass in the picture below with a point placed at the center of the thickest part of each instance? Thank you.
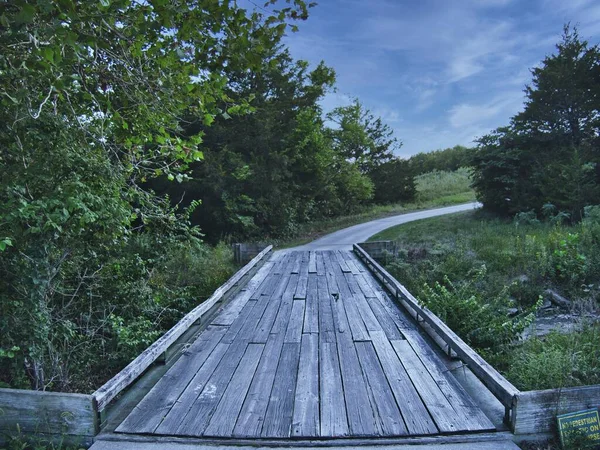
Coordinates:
(439, 185)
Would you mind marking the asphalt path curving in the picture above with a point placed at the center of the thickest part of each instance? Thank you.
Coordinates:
(343, 239)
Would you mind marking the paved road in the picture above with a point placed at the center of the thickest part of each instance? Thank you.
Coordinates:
(343, 239)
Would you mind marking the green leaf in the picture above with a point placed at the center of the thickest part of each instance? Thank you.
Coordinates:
(25, 15)
(208, 119)
(48, 54)
(4, 21)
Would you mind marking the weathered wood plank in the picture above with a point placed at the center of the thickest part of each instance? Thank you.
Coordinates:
(295, 263)
(294, 329)
(278, 418)
(200, 413)
(458, 398)
(333, 408)
(312, 263)
(265, 323)
(305, 422)
(225, 416)
(353, 262)
(361, 419)
(320, 265)
(238, 323)
(52, 413)
(536, 411)
(136, 367)
(285, 308)
(388, 418)
(182, 406)
(342, 262)
(251, 418)
(496, 383)
(149, 413)
(434, 399)
(311, 312)
(345, 310)
(415, 414)
(303, 280)
(231, 311)
(364, 285)
(384, 318)
(326, 330)
(340, 322)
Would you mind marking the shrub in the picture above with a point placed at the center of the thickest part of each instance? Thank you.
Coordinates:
(557, 360)
(482, 322)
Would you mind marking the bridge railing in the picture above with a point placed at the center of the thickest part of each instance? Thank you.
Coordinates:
(502, 389)
(135, 368)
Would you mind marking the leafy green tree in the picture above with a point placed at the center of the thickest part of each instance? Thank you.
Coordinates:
(549, 154)
(93, 100)
(394, 182)
(448, 160)
(361, 137)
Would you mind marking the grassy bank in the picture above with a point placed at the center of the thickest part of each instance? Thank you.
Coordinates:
(486, 277)
(434, 190)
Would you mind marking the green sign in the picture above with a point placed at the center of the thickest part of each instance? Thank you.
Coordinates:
(580, 424)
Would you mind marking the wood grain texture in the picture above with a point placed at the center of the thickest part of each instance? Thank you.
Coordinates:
(146, 416)
(311, 312)
(225, 416)
(414, 412)
(334, 421)
(278, 418)
(52, 413)
(305, 422)
(251, 417)
(387, 415)
(536, 411)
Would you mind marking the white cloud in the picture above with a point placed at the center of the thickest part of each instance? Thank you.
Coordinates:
(501, 107)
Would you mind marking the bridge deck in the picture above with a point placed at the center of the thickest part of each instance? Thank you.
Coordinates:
(312, 348)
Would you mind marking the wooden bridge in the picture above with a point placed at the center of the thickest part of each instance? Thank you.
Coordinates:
(312, 348)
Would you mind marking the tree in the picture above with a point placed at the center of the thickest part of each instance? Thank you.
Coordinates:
(549, 154)
(361, 137)
(394, 182)
(94, 96)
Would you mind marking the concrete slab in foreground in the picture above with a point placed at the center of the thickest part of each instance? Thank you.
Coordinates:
(493, 445)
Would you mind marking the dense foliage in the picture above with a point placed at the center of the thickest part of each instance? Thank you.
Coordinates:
(130, 133)
(94, 99)
(549, 154)
(446, 160)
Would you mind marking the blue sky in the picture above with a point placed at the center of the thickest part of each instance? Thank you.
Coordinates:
(439, 72)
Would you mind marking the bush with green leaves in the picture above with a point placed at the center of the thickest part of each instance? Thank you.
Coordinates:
(482, 321)
(93, 98)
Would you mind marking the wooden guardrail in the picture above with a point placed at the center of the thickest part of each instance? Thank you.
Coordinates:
(71, 417)
(535, 411)
(493, 380)
(136, 367)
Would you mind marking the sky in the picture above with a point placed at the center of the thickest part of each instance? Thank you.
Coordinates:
(439, 72)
